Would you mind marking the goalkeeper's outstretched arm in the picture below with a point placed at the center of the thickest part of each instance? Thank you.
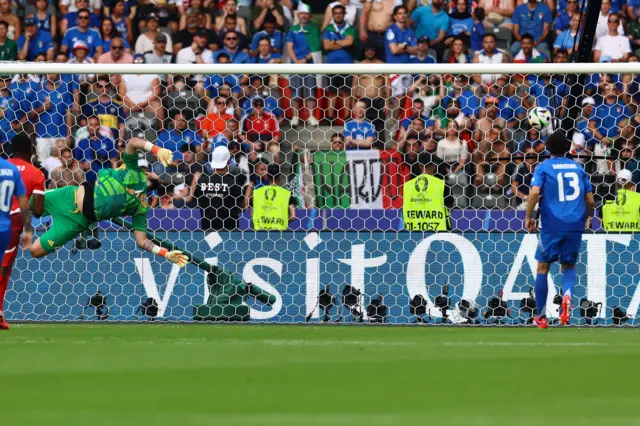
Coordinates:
(174, 256)
(165, 156)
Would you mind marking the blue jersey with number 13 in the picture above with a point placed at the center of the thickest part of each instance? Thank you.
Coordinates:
(563, 185)
(10, 184)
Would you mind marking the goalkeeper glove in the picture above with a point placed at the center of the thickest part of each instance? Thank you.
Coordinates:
(165, 156)
(176, 257)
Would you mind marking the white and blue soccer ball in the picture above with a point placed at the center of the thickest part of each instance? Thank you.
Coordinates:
(539, 118)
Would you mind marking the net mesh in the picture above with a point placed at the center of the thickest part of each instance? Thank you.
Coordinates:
(343, 146)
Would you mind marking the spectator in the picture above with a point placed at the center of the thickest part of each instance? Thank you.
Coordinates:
(492, 156)
(350, 13)
(275, 37)
(81, 56)
(461, 23)
(239, 159)
(611, 115)
(160, 53)
(122, 22)
(191, 170)
(265, 54)
(521, 182)
(205, 18)
(489, 54)
(633, 33)
(359, 133)
(197, 52)
(116, 54)
(96, 152)
(337, 142)
(401, 43)
(53, 109)
(230, 10)
(141, 92)
(422, 54)
(108, 32)
(70, 20)
(528, 54)
(457, 54)
(612, 47)
(232, 50)
(489, 119)
(107, 107)
(374, 22)
(66, 172)
(375, 91)
(260, 177)
(261, 127)
(7, 114)
(34, 42)
(531, 18)
(415, 125)
(67, 6)
(184, 38)
(300, 41)
(46, 20)
(231, 24)
(145, 41)
(432, 21)
(216, 120)
(8, 47)
(563, 19)
(568, 38)
(164, 10)
(478, 31)
(89, 36)
(177, 137)
(259, 89)
(452, 151)
(498, 13)
(14, 25)
(219, 195)
(603, 20)
(267, 10)
(215, 83)
(532, 138)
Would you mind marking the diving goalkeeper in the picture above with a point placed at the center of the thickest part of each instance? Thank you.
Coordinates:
(116, 193)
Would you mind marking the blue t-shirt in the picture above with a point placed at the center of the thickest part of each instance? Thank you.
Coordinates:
(397, 35)
(261, 60)
(607, 117)
(98, 152)
(71, 82)
(214, 81)
(173, 140)
(8, 105)
(413, 59)
(270, 105)
(476, 36)
(10, 184)
(566, 40)
(238, 57)
(52, 122)
(563, 21)
(469, 102)
(24, 95)
(532, 21)
(94, 20)
(547, 95)
(91, 38)
(39, 44)
(276, 39)
(563, 185)
(340, 56)
(43, 24)
(121, 26)
(110, 108)
(300, 45)
(359, 130)
(509, 107)
(459, 26)
(428, 23)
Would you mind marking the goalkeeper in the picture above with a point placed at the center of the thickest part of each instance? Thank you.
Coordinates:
(117, 193)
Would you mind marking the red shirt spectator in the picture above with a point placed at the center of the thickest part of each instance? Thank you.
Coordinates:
(260, 125)
(216, 120)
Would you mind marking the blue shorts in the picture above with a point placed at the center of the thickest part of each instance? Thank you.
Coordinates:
(559, 246)
(5, 237)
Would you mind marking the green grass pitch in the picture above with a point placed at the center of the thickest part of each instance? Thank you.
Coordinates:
(193, 375)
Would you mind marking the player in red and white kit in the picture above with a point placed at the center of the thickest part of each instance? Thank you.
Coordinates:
(33, 180)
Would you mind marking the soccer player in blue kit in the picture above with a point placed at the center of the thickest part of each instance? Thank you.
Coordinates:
(566, 204)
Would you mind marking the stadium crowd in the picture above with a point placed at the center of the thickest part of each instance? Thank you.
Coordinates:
(470, 126)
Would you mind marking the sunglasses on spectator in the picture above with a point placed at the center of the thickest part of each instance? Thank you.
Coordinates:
(220, 103)
(83, 17)
(231, 38)
(116, 47)
(614, 22)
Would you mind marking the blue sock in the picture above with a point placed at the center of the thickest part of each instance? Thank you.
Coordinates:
(568, 281)
(541, 290)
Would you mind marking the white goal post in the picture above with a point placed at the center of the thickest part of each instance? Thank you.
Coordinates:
(348, 231)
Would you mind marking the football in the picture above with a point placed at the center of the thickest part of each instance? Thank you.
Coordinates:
(539, 118)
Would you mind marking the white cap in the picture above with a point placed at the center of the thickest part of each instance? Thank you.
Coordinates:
(589, 101)
(303, 8)
(578, 139)
(220, 157)
(623, 176)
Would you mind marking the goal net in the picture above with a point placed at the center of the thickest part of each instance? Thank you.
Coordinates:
(343, 140)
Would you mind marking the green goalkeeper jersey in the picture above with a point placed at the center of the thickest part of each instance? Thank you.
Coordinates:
(122, 192)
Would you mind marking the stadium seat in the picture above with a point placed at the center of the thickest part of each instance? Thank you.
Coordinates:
(503, 38)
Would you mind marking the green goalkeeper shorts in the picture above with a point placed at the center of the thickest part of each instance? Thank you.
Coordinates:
(68, 220)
